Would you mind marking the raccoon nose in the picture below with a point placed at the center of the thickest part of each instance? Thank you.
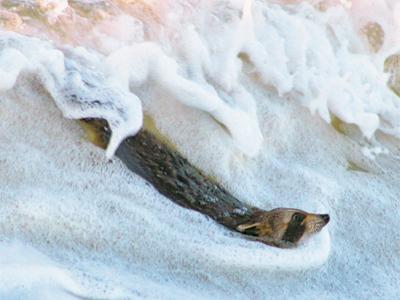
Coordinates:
(325, 218)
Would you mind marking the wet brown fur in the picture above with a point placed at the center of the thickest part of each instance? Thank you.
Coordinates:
(279, 227)
(149, 155)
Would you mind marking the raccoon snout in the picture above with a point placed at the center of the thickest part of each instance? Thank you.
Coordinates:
(325, 218)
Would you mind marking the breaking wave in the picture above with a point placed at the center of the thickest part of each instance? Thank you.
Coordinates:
(228, 82)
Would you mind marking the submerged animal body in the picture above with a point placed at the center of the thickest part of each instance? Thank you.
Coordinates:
(150, 156)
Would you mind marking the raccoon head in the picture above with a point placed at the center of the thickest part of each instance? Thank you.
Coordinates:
(283, 227)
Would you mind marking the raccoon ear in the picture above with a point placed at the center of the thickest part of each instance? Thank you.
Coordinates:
(250, 229)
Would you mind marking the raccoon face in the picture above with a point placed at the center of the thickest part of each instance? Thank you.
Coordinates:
(284, 227)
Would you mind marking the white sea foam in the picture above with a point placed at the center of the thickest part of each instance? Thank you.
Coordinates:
(202, 70)
(88, 228)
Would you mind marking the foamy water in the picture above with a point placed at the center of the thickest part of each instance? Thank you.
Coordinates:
(74, 225)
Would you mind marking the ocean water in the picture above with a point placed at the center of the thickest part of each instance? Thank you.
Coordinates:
(286, 103)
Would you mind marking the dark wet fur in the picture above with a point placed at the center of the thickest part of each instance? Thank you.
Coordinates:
(173, 176)
(295, 229)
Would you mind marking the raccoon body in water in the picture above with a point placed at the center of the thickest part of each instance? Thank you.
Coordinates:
(149, 155)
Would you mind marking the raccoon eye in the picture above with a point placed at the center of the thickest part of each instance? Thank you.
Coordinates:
(297, 217)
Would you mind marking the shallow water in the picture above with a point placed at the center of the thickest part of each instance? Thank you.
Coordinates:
(74, 225)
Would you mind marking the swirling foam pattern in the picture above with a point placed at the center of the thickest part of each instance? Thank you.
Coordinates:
(76, 226)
